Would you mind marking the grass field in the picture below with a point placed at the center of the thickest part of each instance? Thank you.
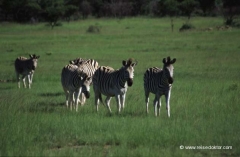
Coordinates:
(204, 101)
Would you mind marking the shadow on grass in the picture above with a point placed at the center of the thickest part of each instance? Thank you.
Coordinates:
(79, 144)
(42, 107)
(51, 94)
(127, 114)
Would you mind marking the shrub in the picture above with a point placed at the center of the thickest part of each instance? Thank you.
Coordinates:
(93, 29)
(186, 26)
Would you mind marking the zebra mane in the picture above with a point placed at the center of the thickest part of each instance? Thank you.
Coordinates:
(168, 61)
(34, 56)
(129, 62)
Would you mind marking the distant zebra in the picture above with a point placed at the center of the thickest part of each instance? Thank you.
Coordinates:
(88, 66)
(110, 82)
(74, 81)
(26, 67)
(159, 82)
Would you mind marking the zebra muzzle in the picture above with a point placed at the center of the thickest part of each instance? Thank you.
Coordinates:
(130, 82)
(87, 94)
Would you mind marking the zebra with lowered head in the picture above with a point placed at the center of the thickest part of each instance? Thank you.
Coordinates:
(26, 68)
(159, 82)
(110, 82)
(88, 66)
(74, 81)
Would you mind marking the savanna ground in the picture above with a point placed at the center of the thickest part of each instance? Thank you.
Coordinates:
(204, 101)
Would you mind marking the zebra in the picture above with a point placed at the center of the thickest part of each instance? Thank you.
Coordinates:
(159, 82)
(74, 81)
(26, 68)
(88, 66)
(110, 83)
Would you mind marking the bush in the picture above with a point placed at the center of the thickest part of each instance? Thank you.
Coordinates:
(186, 26)
(93, 29)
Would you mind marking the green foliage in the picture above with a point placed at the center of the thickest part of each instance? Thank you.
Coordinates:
(187, 7)
(93, 29)
(204, 99)
(206, 5)
(69, 11)
(85, 8)
(186, 26)
(172, 7)
(231, 12)
(53, 11)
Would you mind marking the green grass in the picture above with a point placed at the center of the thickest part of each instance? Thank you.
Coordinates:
(204, 101)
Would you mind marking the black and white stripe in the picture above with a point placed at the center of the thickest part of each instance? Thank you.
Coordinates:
(87, 66)
(159, 82)
(110, 82)
(26, 68)
(74, 81)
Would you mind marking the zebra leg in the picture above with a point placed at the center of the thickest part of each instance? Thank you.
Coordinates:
(159, 106)
(23, 79)
(29, 81)
(30, 78)
(156, 104)
(67, 97)
(77, 94)
(118, 102)
(96, 100)
(18, 79)
(147, 100)
(70, 100)
(122, 100)
(167, 96)
(107, 101)
(82, 99)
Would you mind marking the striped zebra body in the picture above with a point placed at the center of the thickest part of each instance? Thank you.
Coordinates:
(26, 68)
(159, 82)
(110, 83)
(74, 81)
(87, 66)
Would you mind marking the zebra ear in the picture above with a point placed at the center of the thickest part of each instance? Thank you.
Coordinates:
(71, 62)
(124, 63)
(164, 61)
(173, 61)
(31, 56)
(37, 57)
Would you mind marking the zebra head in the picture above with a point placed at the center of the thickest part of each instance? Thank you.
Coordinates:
(86, 82)
(76, 61)
(168, 68)
(128, 67)
(34, 60)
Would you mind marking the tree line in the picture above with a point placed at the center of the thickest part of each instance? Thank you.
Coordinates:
(53, 10)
